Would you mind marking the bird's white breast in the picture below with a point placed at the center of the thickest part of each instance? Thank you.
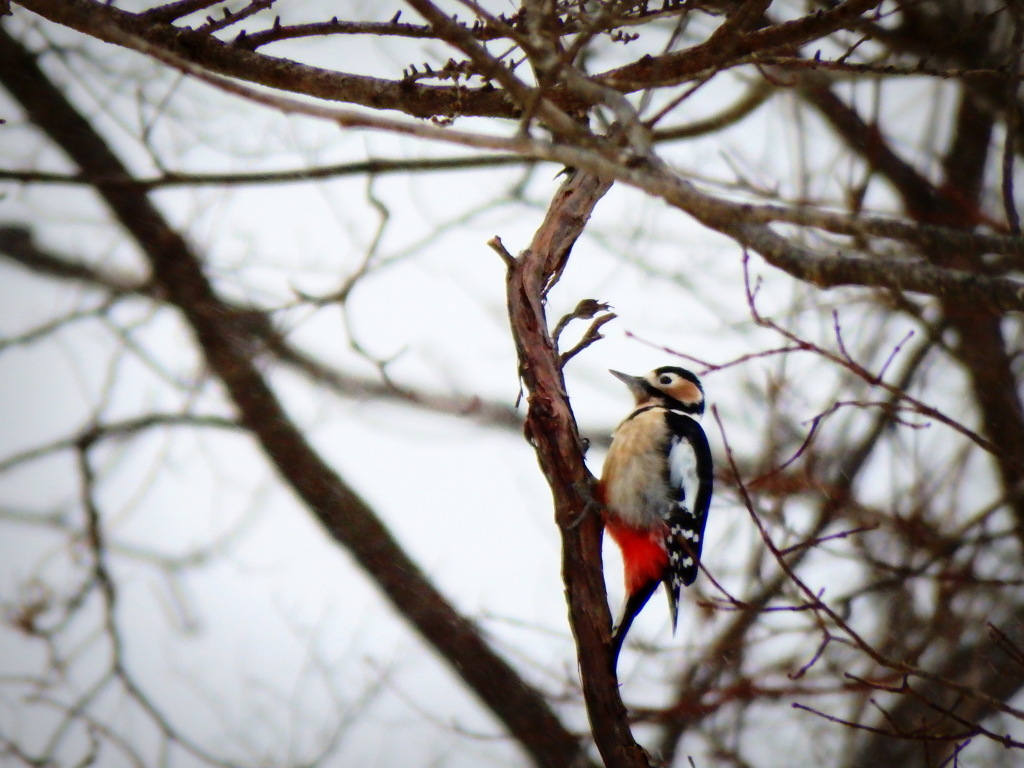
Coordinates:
(635, 476)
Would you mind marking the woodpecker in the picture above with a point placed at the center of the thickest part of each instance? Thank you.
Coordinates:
(655, 490)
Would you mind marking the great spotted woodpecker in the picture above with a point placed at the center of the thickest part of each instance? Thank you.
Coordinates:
(655, 490)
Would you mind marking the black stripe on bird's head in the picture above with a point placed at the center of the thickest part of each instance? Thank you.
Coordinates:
(669, 385)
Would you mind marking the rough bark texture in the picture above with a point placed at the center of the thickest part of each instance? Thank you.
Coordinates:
(551, 429)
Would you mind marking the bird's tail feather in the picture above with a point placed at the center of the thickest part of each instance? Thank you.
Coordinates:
(672, 592)
(633, 604)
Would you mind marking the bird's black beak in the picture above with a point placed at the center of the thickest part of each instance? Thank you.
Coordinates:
(637, 384)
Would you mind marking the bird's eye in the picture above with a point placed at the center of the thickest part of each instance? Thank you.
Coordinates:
(665, 379)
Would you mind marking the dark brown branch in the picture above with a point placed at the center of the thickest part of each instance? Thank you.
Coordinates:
(551, 429)
(1013, 118)
(794, 64)
(334, 27)
(487, 65)
(373, 167)
(18, 244)
(593, 334)
(993, 294)
(757, 95)
(118, 430)
(110, 24)
(105, 22)
(682, 66)
(165, 14)
(230, 18)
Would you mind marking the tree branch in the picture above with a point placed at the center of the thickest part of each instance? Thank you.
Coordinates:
(110, 24)
(551, 429)
(371, 167)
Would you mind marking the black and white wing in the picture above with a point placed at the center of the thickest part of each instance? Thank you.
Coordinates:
(691, 477)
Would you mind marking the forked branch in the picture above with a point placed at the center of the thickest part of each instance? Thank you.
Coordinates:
(551, 429)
